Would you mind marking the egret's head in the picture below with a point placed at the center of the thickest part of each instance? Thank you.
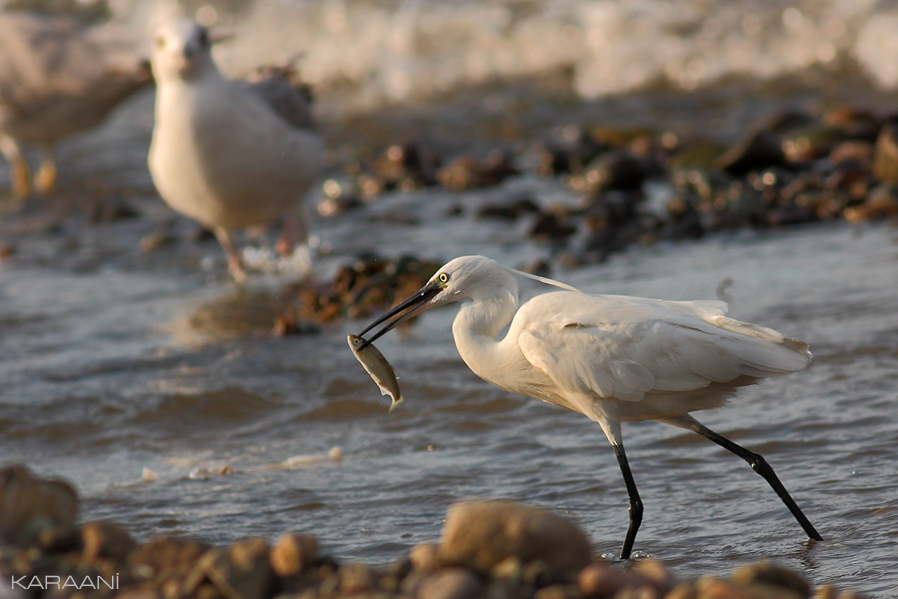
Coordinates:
(465, 278)
(472, 277)
(181, 50)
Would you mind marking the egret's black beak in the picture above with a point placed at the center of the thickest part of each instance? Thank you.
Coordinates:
(414, 305)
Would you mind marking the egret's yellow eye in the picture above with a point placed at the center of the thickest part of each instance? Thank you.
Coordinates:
(443, 278)
(160, 42)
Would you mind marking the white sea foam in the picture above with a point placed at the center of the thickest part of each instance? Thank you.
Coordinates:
(399, 50)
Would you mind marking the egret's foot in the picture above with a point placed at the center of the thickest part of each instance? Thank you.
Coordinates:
(45, 180)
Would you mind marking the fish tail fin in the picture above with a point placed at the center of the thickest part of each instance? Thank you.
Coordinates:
(395, 403)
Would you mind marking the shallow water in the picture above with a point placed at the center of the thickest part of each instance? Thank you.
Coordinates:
(144, 362)
(113, 361)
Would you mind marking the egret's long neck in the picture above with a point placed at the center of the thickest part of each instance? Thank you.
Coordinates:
(476, 328)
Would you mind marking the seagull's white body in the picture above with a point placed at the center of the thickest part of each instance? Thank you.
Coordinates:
(223, 157)
(612, 358)
(221, 153)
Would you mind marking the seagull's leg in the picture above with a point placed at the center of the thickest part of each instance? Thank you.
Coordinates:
(758, 464)
(21, 178)
(234, 264)
(293, 232)
(613, 432)
(45, 180)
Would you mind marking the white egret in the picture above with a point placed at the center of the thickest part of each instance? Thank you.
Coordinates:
(229, 154)
(612, 358)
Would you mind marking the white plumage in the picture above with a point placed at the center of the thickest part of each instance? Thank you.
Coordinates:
(613, 358)
(229, 154)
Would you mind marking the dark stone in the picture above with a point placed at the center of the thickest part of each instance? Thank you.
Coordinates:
(552, 227)
(28, 505)
(510, 210)
(615, 170)
(756, 151)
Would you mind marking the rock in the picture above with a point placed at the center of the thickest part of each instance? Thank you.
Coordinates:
(106, 540)
(166, 558)
(716, 588)
(854, 123)
(405, 166)
(480, 534)
(552, 227)
(110, 209)
(293, 553)
(356, 578)
(615, 170)
(885, 154)
(853, 151)
(811, 142)
(601, 579)
(767, 573)
(882, 202)
(29, 505)
(508, 211)
(757, 151)
(568, 150)
(328, 207)
(465, 172)
(655, 571)
(155, 241)
(451, 583)
(59, 539)
(425, 557)
(559, 591)
(242, 572)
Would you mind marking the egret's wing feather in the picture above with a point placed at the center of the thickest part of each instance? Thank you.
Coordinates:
(621, 347)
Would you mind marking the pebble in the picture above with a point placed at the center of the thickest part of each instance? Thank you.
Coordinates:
(488, 550)
(106, 540)
(292, 553)
(425, 557)
(480, 534)
(450, 583)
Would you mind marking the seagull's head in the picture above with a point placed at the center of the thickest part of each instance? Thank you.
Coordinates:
(181, 50)
(474, 278)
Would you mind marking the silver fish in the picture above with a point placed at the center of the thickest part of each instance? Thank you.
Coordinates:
(378, 367)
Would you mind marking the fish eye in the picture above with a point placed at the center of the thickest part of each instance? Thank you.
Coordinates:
(443, 278)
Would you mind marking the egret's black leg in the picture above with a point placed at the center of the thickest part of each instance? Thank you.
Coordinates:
(760, 465)
(635, 501)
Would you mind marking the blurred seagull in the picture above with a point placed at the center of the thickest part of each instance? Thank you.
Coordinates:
(229, 154)
(59, 77)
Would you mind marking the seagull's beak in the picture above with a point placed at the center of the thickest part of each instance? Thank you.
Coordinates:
(416, 304)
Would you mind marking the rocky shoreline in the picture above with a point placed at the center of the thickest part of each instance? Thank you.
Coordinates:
(488, 549)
